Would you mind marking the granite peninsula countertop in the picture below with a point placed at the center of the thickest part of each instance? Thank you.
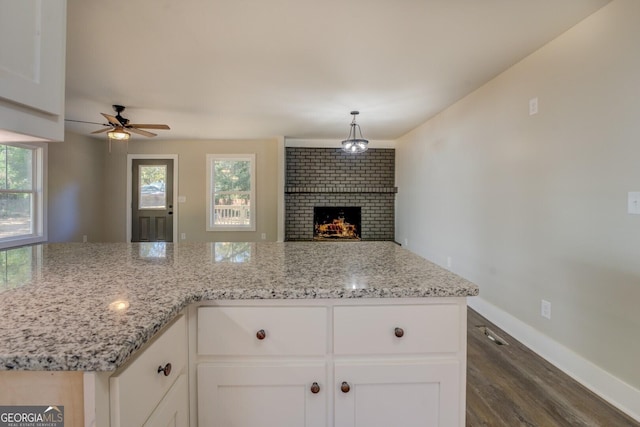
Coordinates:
(61, 305)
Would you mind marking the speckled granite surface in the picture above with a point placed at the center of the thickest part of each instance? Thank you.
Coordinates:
(55, 299)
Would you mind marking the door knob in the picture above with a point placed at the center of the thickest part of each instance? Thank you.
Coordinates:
(345, 387)
(261, 334)
(166, 370)
(399, 332)
(315, 388)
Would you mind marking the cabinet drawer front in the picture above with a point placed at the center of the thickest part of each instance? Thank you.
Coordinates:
(138, 389)
(232, 331)
(372, 330)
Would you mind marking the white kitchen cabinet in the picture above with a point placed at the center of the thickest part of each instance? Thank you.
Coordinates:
(262, 365)
(32, 67)
(409, 365)
(388, 362)
(153, 384)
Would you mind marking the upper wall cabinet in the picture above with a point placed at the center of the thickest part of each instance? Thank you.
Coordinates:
(32, 67)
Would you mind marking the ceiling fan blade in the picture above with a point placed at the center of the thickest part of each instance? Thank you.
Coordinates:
(112, 119)
(147, 126)
(102, 130)
(140, 131)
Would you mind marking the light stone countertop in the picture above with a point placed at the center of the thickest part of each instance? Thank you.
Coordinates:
(55, 298)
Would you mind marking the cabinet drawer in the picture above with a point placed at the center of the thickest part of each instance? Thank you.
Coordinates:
(372, 329)
(232, 331)
(138, 389)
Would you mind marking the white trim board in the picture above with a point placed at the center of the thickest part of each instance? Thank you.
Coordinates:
(610, 388)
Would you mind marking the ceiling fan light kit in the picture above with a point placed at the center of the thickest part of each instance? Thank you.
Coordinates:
(353, 144)
(119, 135)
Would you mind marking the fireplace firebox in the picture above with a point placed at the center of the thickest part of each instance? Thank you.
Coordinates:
(336, 223)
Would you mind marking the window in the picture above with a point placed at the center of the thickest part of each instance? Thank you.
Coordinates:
(152, 194)
(21, 194)
(231, 192)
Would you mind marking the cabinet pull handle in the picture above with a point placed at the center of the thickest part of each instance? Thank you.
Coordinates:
(166, 370)
(261, 334)
(345, 387)
(315, 388)
(399, 332)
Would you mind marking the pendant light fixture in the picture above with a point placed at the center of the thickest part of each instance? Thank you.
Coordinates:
(353, 144)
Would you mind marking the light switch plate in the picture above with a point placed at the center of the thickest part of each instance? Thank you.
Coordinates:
(533, 106)
(634, 203)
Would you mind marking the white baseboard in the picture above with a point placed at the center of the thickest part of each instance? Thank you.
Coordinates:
(612, 389)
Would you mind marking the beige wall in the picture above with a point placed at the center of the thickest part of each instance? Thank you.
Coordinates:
(110, 169)
(75, 189)
(535, 207)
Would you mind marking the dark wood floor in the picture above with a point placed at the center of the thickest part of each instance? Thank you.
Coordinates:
(509, 385)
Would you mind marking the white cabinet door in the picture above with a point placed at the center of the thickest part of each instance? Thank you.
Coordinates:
(32, 67)
(173, 410)
(32, 40)
(407, 394)
(262, 395)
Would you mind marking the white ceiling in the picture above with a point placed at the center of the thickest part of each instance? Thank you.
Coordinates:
(218, 69)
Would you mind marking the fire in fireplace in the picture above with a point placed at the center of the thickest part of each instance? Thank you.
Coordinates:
(336, 223)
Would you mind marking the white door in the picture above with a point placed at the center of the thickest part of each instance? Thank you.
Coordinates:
(420, 394)
(261, 395)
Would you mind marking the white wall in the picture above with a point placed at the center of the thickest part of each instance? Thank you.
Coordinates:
(533, 207)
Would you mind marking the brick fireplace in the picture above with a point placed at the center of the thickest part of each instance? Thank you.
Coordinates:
(328, 177)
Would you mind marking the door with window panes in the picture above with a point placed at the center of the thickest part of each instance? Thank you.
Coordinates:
(152, 200)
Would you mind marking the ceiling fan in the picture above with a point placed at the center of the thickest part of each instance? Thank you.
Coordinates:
(120, 128)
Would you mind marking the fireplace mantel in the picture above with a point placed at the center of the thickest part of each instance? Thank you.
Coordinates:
(341, 189)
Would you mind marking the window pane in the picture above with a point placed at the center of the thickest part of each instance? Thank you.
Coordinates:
(152, 194)
(232, 175)
(15, 214)
(15, 168)
(231, 209)
(231, 192)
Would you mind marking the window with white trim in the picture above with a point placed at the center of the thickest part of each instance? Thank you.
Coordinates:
(21, 194)
(231, 192)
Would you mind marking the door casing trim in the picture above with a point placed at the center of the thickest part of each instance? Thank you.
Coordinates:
(130, 159)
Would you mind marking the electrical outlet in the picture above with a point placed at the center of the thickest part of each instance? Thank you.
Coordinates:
(406, 242)
(263, 236)
(183, 236)
(449, 262)
(84, 238)
(545, 309)
(633, 206)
